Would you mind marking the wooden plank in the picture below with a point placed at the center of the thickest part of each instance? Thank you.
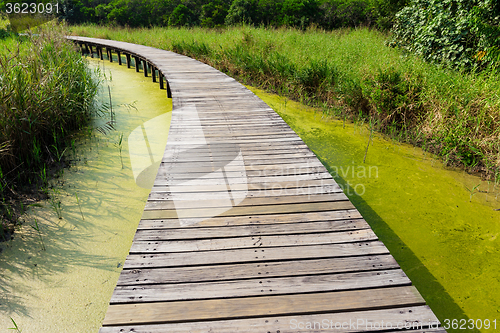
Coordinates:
(240, 211)
(328, 215)
(160, 246)
(256, 270)
(247, 180)
(357, 321)
(311, 190)
(250, 230)
(254, 255)
(267, 200)
(263, 169)
(164, 312)
(247, 146)
(259, 287)
(271, 188)
(191, 157)
(236, 171)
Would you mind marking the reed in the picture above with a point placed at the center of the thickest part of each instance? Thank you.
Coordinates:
(79, 205)
(16, 328)
(119, 145)
(36, 227)
(46, 94)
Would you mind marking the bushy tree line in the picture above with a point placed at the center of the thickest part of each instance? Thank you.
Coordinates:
(328, 14)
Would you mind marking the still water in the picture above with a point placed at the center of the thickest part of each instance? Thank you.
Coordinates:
(67, 286)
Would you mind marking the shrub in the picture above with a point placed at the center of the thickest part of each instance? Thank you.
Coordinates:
(458, 33)
(181, 16)
(243, 11)
(213, 14)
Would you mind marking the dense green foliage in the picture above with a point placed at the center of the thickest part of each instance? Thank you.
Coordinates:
(215, 13)
(352, 74)
(46, 93)
(463, 33)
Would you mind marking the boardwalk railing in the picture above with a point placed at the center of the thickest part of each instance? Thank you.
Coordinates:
(244, 229)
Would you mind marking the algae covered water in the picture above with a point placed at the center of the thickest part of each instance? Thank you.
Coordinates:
(58, 274)
(441, 225)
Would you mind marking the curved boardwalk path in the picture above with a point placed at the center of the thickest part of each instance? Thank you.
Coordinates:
(244, 229)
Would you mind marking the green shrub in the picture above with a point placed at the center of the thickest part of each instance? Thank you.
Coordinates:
(181, 16)
(213, 14)
(458, 33)
(243, 11)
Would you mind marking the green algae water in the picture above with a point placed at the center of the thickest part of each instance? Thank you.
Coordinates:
(442, 231)
(60, 278)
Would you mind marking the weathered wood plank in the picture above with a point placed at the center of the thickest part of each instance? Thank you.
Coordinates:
(259, 287)
(240, 211)
(256, 270)
(312, 190)
(254, 255)
(270, 188)
(159, 246)
(256, 201)
(330, 215)
(249, 230)
(357, 321)
(164, 312)
(236, 171)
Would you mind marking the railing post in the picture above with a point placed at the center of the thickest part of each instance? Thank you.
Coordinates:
(160, 77)
(119, 57)
(136, 64)
(110, 54)
(128, 59)
(91, 51)
(145, 68)
(99, 48)
(153, 73)
(169, 93)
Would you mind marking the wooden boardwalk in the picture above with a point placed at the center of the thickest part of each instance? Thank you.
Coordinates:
(244, 229)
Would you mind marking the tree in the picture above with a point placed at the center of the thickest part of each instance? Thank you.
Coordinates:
(243, 11)
(181, 16)
(298, 13)
(213, 14)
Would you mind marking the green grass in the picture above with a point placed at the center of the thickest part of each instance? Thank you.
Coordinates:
(46, 94)
(351, 74)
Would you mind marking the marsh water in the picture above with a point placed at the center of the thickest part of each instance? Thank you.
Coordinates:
(61, 278)
(439, 224)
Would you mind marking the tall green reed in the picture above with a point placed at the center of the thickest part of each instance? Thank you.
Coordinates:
(46, 94)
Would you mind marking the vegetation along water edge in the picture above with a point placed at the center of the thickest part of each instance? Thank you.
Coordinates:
(46, 94)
